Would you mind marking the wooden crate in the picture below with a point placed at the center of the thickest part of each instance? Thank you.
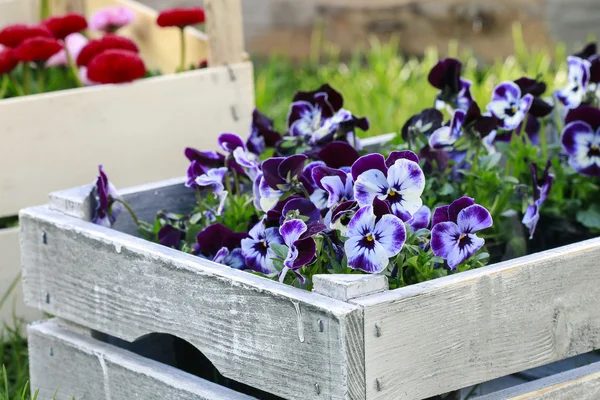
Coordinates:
(349, 339)
(138, 131)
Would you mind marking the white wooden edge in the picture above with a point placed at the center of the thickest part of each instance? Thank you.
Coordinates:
(484, 323)
(581, 383)
(345, 287)
(137, 131)
(225, 31)
(254, 330)
(80, 366)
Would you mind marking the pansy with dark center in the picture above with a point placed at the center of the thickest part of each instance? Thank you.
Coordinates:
(298, 237)
(293, 207)
(509, 105)
(454, 90)
(256, 248)
(453, 234)
(373, 239)
(107, 210)
(398, 180)
(581, 140)
(541, 189)
(578, 80)
(220, 244)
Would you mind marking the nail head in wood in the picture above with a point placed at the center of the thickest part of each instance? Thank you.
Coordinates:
(321, 326)
(378, 385)
(317, 388)
(377, 330)
(44, 238)
(347, 287)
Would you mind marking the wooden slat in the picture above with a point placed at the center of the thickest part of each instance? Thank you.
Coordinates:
(225, 30)
(17, 11)
(10, 267)
(86, 368)
(578, 384)
(483, 324)
(254, 330)
(138, 131)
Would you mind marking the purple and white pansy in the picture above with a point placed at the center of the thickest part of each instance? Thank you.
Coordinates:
(508, 105)
(455, 91)
(302, 249)
(581, 140)
(337, 184)
(454, 226)
(420, 219)
(220, 244)
(257, 251)
(448, 135)
(398, 180)
(107, 209)
(578, 80)
(373, 239)
(213, 178)
(281, 175)
(541, 190)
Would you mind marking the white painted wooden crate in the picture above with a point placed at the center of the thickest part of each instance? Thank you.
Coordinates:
(346, 340)
(138, 131)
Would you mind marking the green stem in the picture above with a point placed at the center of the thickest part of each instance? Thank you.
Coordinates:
(128, 207)
(73, 68)
(236, 181)
(544, 142)
(27, 77)
(16, 85)
(4, 86)
(182, 59)
(44, 9)
(40, 78)
(304, 191)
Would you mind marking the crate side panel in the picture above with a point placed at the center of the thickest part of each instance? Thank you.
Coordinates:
(138, 131)
(86, 368)
(127, 287)
(483, 324)
(10, 269)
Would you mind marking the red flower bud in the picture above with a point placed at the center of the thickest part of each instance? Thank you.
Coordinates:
(181, 17)
(107, 42)
(14, 35)
(37, 49)
(116, 66)
(8, 62)
(61, 27)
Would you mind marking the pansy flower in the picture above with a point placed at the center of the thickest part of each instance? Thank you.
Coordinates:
(170, 236)
(341, 216)
(509, 105)
(539, 108)
(398, 180)
(420, 219)
(220, 244)
(373, 240)
(279, 176)
(107, 209)
(541, 189)
(422, 125)
(448, 135)
(294, 207)
(337, 184)
(578, 80)
(454, 90)
(262, 134)
(298, 237)
(453, 234)
(581, 140)
(213, 178)
(318, 195)
(239, 158)
(257, 251)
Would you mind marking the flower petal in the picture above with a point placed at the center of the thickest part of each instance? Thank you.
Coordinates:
(338, 154)
(230, 141)
(531, 218)
(390, 233)
(362, 223)
(444, 239)
(440, 214)
(370, 260)
(292, 230)
(441, 138)
(304, 206)
(474, 218)
(457, 206)
(299, 110)
(420, 219)
(368, 162)
(398, 155)
(576, 138)
(506, 91)
(292, 166)
(464, 250)
(270, 169)
(370, 184)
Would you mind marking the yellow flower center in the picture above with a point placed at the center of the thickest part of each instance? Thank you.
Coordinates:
(462, 236)
(392, 193)
(595, 147)
(370, 237)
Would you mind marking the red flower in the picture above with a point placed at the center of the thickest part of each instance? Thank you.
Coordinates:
(8, 62)
(14, 35)
(37, 49)
(61, 27)
(107, 42)
(116, 66)
(181, 17)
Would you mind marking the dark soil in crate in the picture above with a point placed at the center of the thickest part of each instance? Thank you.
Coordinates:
(554, 231)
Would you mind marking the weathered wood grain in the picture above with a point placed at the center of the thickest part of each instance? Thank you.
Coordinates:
(277, 338)
(483, 324)
(133, 130)
(225, 29)
(578, 384)
(80, 366)
(10, 269)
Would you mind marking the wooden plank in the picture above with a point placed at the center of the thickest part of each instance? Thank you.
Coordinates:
(85, 368)
(225, 29)
(134, 130)
(346, 287)
(10, 268)
(17, 11)
(479, 325)
(581, 383)
(254, 330)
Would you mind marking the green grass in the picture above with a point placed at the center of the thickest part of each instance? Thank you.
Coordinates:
(379, 84)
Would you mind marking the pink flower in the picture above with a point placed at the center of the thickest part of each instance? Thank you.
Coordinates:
(83, 77)
(111, 19)
(75, 42)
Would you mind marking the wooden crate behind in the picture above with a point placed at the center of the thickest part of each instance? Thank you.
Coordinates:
(351, 338)
(138, 131)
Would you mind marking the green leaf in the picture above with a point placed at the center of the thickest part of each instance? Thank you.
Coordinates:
(280, 249)
(590, 218)
(446, 190)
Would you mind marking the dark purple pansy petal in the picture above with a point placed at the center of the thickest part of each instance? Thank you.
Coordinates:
(440, 214)
(571, 133)
(318, 173)
(291, 166)
(539, 108)
(297, 110)
(262, 133)
(102, 191)
(210, 239)
(588, 51)
(431, 156)
(307, 250)
(313, 228)
(362, 123)
(171, 237)
(230, 141)
(368, 162)
(208, 159)
(457, 206)
(334, 98)
(345, 206)
(321, 101)
(424, 123)
(398, 155)
(587, 114)
(270, 169)
(531, 86)
(304, 206)
(338, 154)
(446, 74)
(381, 207)
(194, 171)
(420, 219)
(307, 172)
(274, 214)
(595, 69)
(234, 240)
